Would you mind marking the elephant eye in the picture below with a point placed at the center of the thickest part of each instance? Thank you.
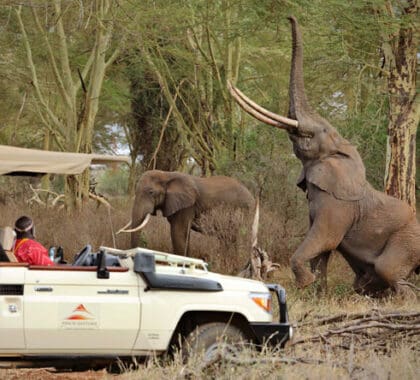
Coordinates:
(149, 191)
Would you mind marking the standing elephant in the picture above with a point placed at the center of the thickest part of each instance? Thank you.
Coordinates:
(377, 234)
(182, 198)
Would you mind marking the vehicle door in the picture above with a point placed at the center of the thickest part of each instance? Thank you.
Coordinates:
(12, 278)
(68, 309)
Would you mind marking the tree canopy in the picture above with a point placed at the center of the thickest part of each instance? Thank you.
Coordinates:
(150, 77)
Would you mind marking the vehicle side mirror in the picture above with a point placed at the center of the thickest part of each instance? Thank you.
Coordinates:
(144, 263)
(101, 271)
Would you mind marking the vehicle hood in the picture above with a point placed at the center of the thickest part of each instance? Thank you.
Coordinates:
(233, 283)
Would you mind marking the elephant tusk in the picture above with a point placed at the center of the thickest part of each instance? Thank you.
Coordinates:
(259, 112)
(123, 228)
(138, 228)
(254, 234)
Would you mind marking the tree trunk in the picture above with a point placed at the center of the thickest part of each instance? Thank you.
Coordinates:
(400, 53)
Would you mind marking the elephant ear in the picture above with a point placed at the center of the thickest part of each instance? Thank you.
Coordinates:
(181, 193)
(341, 175)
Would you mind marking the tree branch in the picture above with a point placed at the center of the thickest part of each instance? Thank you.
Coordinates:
(34, 75)
(63, 56)
(52, 60)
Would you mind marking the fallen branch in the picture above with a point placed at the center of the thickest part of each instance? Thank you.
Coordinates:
(390, 326)
(375, 315)
(376, 326)
(100, 200)
(226, 356)
(36, 196)
(409, 284)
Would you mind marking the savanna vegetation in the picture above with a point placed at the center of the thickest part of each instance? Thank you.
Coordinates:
(148, 79)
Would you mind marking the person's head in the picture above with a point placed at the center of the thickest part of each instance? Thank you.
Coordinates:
(24, 227)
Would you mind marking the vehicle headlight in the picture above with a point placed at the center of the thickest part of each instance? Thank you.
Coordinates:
(263, 300)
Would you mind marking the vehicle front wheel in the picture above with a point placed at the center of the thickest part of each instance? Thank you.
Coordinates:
(208, 341)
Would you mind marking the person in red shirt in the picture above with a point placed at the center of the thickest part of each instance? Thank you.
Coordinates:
(27, 249)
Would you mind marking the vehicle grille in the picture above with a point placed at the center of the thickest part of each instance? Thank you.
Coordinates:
(11, 290)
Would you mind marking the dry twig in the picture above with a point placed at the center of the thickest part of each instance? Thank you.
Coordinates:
(374, 329)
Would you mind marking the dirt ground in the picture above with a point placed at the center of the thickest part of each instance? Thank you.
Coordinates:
(51, 374)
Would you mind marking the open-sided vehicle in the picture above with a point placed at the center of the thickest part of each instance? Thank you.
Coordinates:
(145, 303)
(116, 303)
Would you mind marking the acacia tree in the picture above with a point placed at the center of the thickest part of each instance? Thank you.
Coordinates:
(217, 52)
(400, 49)
(381, 40)
(67, 103)
(184, 68)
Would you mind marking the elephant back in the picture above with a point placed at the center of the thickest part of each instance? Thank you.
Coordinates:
(218, 190)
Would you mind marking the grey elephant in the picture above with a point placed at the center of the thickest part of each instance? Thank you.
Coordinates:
(378, 235)
(183, 198)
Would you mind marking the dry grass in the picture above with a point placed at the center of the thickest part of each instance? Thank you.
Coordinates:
(226, 247)
(324, 358)
(401, 359)
(54, 227)
(338, 358)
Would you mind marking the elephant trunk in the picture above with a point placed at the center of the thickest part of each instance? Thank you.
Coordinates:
(298, 102)
(299, 108)
(301, 118)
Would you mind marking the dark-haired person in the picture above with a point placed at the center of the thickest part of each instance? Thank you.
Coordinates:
(27, 249)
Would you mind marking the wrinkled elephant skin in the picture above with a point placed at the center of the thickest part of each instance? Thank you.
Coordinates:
(182, 198)
(378, 235)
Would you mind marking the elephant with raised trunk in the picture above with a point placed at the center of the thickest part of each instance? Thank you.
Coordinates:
(182, 198)
(378, 235)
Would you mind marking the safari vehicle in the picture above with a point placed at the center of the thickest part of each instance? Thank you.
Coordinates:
(125, 303)
(145, 303)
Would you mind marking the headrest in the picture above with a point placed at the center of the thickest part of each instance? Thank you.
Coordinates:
(7, 238)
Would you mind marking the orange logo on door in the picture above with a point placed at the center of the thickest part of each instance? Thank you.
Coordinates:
(80, 313)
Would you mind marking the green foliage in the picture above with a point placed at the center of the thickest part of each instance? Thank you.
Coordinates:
(367, 130)
(113, 182)
(158, 63)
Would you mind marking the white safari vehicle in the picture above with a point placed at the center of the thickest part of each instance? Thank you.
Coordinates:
(136, 302)
(116, 303)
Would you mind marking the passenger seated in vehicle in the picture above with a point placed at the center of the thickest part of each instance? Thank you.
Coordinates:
(27, 249)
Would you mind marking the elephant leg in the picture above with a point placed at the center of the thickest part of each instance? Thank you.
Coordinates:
(308, 251)
(323, 236)
(370, 284)
(361, 270)
(396, 262)
(180, 230)
(319, 266)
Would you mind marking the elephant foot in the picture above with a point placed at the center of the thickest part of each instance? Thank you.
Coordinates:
(406, 291)
(370, 285)
(304, 278)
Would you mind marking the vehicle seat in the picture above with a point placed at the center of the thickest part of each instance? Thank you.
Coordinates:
(7, 241)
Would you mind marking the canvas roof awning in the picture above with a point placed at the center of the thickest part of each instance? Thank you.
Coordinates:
(21, 161)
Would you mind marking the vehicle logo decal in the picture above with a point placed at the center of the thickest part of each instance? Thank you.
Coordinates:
(80, 313)
(81, 317)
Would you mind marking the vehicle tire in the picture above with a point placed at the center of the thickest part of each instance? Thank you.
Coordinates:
(208, 341)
